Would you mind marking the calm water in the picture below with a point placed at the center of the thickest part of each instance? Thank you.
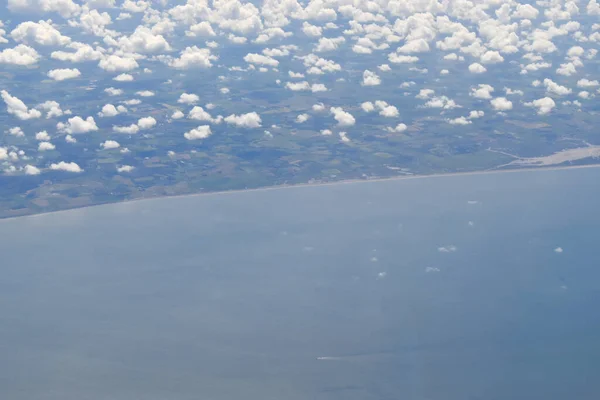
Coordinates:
(444, 288)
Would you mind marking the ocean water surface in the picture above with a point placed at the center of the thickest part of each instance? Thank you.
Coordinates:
(460, 287)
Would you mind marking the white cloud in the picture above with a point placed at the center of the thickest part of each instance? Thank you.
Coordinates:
(342, 117)
(441, 102)
(42, 136)
(248, 120)
(83, 52)
(111, 91)
(125, 168)
(17, 108)
(491, 57)
(311, 30)
(305, 86)
(302, 118)
(402, 59)
(177, 114)
(70, 139)
(477, 68)
(109, 110)
(146, 123)
(329, 44)
(46, 146)
(400, 128)
(326, 132)
(31, 170)
(78, 125)
(65, 8)
(584, 94)
(145, 93)
(566, 69)
(544, 105)
(459, 121)
(16, 131)
(384, 68)
(585, 83)
(344, 137)
(414, 46)
(114, 63)
(260, 59)
(370, 78)
(367, 106)
(199, 114)
(63, 74)
(447, 249)
(554, 88)
(188, 98)
(296, 75)
(501, 104)
(143, 40)
(482, 92)
(123, 78)
(201, 132)
(476, 114)
(386, 110)
(318, 107)
(424, 93)
(130, 130)
(41, 32)
(66, 166)
(201, 29)
(193, 57)
(110, 144)
(20, 55)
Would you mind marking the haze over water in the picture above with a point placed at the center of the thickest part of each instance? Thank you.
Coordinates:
(459, 287)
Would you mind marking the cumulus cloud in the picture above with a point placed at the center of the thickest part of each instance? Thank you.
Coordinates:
(123, 78)
(65, 8)
(482, 92)
(501, 104)
(554, 88)
(110, 144)
(66, 166)
(143, 40)
(343, 118)
(586, 83)
(63, 74)
(16, 107)
(20, 55)
(248, 120)
(42, 136)
(301, 118)
(260, 59)
(130, 129)
(109, 110)
(42, 32)
(146, 123)
(83, 52)
(329, 44)
(111, 91)
(370, 78)
(78, 125)
(31, 170)
(188, 98)
(46, 146)
(125, 168)
(305, 86)
(114, 63)
(544, 105)
(477, 68)
(201, 132)
(193, 57)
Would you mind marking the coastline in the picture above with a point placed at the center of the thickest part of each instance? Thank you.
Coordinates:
(304, 185)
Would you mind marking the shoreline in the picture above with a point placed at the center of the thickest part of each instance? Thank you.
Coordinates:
(304, 185)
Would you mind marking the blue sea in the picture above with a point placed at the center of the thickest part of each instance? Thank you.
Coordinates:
(465, 287)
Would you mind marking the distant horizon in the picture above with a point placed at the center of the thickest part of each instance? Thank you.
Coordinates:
(317, 184)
